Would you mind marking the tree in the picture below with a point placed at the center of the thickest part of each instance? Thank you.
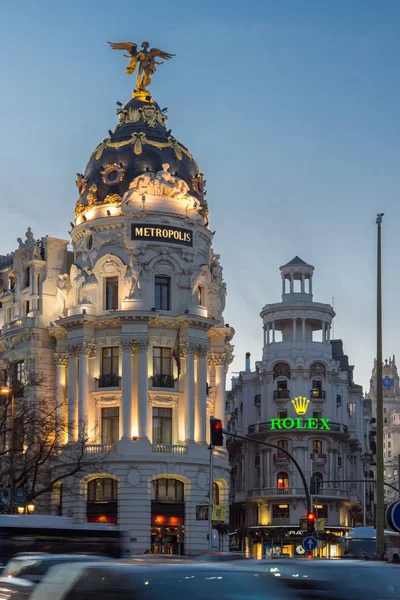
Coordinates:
(355, 512)
(42, 459)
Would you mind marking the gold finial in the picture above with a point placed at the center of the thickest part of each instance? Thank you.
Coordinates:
(147, 64)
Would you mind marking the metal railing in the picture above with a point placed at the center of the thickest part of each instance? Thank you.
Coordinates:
(164, 381)
(169, 448)
(281, 458)
(100, 448)
(296, 491)
(317, 394)
(108, 380)
(281, 394)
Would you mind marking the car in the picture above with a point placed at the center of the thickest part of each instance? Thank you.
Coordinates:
(332, 579)
(24, 571)
(169, 581)
(223, 556)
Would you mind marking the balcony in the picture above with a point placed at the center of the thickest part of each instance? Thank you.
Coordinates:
(163, 381)
(100, 448)
(109, 380)
(281, 394)
(281, 459)
(335, 427)
(318, 459)
(169, 448)
(316, 394)
(296, 492)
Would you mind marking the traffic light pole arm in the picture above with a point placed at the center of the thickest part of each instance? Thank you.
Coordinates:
(283, 451)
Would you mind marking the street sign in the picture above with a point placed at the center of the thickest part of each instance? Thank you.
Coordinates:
(393, 516)
(4, 497)
(300, 549)
(19, 497)
(309, 543)
(319, 524)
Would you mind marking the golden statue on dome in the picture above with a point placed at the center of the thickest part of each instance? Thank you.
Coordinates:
(146, 59)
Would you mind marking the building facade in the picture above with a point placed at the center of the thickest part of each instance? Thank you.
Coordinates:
(391, 424)
(301, 397)
(128, 328)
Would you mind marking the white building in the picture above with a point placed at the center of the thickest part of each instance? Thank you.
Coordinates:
(301, 398)
(391, 423)
(102, 322)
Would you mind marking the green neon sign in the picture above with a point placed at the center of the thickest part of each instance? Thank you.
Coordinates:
(298, 423)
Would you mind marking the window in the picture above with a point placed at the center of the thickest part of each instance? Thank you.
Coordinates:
(282, 480)
(384, 410)
(389, 454)
(111, 291)
(280, 511)
(317, 414)
(317, 446)
(317, 391)
(282, 414)
(321, 511)
(201, 295)
(168, 490)
(103, 489)
(27, 307)
(27, 277)
(18, 378)
(316, 483)
(284, 445)
(338, 400)
(215, 493)
(162, 425)
(352, 408)
(389, 444)
(110, 425)
(389, 436)
(162, 367)
(11, 282)
(162, 292)
(109, 367)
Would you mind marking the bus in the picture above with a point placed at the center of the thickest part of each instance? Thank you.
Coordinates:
(363, 539)
(56, 535)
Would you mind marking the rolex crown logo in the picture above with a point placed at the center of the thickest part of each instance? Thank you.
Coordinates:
(300, 405)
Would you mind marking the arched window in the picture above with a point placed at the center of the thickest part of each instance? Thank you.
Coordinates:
(103, 489)
(215, 497)
(284, 445)
(317, 446)
(316, 483)
(167, 490)
(282, 480)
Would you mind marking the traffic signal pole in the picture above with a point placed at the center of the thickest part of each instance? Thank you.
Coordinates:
(283, 451)
(210, 500)
(380, 499)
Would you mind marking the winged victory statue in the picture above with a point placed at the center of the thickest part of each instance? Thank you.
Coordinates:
(145, 58)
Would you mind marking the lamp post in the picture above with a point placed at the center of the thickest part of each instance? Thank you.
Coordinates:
(380, 499)
(6, 391)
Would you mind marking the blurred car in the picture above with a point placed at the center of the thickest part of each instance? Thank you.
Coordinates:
(169, 581)
(332, 579)
(24, 571)
(223, 556)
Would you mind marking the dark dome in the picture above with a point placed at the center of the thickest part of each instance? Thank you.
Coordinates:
(140, 143)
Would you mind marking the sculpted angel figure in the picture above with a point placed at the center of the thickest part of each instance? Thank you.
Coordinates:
(132, 279)
(63, 287)
(145, 58)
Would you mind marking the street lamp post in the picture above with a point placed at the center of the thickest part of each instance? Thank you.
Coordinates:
(380, 498)
(6, 391)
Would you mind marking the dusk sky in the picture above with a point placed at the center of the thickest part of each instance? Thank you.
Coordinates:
(290, 107)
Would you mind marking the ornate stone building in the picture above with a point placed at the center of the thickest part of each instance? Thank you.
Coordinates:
(129, 327)
(301, 397)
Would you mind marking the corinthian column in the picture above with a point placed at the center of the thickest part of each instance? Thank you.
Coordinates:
(189, 394)
(201, 396)
(61, 360)
(143, 389)
(219, 363)
(86, 351)
(126, 390)
(72, 394)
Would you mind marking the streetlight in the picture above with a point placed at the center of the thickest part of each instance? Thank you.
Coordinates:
(6, 391)
(21, 510)
(30, 508)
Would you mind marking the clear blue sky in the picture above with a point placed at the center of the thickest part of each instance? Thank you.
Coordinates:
(291, 108)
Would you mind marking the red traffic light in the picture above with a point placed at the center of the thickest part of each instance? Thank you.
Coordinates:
(216, 435)
(218, 425)
(310, 516)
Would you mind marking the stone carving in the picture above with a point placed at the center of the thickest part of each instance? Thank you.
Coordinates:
(85, 283)
(216, 290)
(108, 401)
(81, 183)
(63, 288)
(163, 183)
(30, 245)
(133, 477)
(199, 184)
(61, 358)
(201, 278)
(132, 279)
(317, 369)
(163, 401)
(281, 369)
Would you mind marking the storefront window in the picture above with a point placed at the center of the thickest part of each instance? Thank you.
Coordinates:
(167, 490)
(280, 511)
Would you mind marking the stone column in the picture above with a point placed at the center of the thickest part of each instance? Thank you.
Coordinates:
(294, 329)
(72, 394)
(126, 392)
(85, 352)
(61, 360)
(189, 394)
(268, 328)
(283, 286)
(291, 284)
(201, 397)
(143, 389)
(219, 362)
(310, 285)
(34, 275)
(302, 284)
(303, 330)
(273, 331)
(265, 335)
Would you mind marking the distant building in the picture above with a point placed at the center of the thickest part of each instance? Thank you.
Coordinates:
(301, 397)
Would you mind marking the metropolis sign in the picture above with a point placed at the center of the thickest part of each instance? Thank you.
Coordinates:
(157, 233)
(300, 406)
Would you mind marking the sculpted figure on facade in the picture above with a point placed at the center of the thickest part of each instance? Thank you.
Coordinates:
(63, 288)
(163, 183)
(84, 283)
(132, 279)
(201, 278)
(216, 290)
(31, 245)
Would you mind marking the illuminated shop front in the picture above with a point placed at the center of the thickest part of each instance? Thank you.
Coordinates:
(167, 517)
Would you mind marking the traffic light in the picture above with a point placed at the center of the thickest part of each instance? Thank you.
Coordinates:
(310, 522)
(216, 435)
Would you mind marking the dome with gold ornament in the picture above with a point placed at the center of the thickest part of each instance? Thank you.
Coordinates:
(140, 143)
